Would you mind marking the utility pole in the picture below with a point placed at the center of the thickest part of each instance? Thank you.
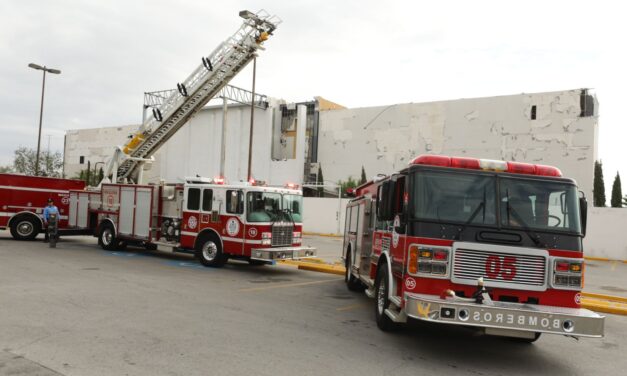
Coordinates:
(41, 110)
(252, 119)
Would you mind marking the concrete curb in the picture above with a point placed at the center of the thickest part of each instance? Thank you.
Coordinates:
(613, 298)
(322, 234)
(323, 268)
(606, 306)
(605, 259)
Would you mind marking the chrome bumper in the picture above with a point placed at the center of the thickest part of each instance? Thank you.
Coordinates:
(502, 315)
(282, 253)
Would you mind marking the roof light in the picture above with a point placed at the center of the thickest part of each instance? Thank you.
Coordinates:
(218, 180)
(521, 168)
(463, 162)
(291, 185)
(487, 164)
(432, 160)
(548, 171)
(492, 165)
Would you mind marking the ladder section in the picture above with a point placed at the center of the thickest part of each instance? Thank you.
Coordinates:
(205, 82)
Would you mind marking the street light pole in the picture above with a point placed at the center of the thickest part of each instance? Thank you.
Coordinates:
(41, 110)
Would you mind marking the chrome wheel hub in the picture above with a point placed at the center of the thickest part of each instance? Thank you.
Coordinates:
(209, 251)
(25, 228)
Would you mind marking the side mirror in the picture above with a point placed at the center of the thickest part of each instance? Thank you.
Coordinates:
(583, 213)
(400, 229)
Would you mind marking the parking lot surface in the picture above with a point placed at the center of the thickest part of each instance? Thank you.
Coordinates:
(79, 310)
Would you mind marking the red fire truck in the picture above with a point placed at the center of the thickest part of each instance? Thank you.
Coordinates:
(23, 198)
(488, 244)
(214, 221)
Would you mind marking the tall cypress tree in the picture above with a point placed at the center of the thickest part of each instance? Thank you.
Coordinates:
(363, 176)
(598, 190)
(617, 193)
(320, 182)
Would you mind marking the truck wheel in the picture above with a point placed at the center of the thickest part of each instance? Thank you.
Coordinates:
(107, 239)
(25, 227)
(352, 282)
(384, 322)
(209, 252)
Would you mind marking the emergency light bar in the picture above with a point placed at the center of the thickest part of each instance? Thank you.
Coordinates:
(487, 165)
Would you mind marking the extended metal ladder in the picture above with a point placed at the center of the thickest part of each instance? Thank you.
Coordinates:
(191, 95)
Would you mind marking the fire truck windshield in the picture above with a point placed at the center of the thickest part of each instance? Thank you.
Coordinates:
(263, 206)
(294, 204)
(471, 199)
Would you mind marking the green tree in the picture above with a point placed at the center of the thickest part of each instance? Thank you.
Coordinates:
(598, 189)
(349, 183)
(625, 200)
(320, 182)
(363, 176)
(6, 169)
(91, 178)
(50, 164)
(617, 193)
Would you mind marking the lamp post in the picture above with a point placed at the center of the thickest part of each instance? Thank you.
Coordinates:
(41, 111)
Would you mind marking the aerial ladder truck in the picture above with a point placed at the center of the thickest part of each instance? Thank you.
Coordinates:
(211, 218)
(203, 84)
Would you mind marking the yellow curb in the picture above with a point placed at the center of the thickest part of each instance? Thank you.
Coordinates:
(611, 298)
(596, 258)
(322, 234)
(604, 306)
(590, 258)
(313, 261)
(322, 268)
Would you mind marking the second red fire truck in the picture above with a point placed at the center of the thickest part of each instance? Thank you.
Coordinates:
(488, 244)
(215, 221)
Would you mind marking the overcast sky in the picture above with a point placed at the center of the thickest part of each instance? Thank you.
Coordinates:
(356, 53)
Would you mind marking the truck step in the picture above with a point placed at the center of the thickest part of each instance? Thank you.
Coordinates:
(399, 317)
(370, 292)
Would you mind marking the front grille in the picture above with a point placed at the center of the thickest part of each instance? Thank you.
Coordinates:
(500, 268)
(282, 234)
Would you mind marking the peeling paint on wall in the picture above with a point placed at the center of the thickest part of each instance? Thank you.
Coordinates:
(384, 138)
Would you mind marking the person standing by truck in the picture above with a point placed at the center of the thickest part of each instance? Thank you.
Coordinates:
(48, 210)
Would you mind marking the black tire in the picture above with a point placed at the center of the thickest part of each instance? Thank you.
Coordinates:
(352, 282)
(382, 302)
(209, 252)
(25, 227)
(106, 238)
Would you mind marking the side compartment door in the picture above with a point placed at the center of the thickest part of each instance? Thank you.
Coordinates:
(143, 211)
(367, 236)
(73, 209)
(359, 234)
(127, 210)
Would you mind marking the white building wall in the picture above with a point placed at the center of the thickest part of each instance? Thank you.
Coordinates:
(384, 139)
(195, 148)
(606, 233)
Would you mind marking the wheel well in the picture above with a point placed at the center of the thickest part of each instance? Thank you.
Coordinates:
(26, 214)
(106, 222)
(208, 233)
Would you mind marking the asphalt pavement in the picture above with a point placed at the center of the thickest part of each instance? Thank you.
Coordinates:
(80, 310)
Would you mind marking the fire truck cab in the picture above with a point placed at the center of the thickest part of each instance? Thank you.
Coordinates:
(488, 244)
(214, 221)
